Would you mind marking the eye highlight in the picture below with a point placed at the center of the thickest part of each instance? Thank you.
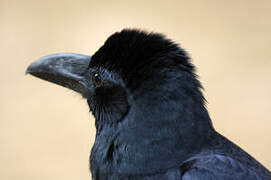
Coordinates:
(96, 79)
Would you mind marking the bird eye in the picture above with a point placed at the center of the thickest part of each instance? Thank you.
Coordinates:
(96, 79)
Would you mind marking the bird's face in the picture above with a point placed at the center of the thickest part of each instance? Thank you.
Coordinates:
(104, 90)
(107, 96)
(132, 67)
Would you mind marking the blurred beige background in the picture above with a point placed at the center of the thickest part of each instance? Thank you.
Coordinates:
(46, 131)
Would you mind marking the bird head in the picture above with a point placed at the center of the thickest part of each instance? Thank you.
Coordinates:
(143, 92)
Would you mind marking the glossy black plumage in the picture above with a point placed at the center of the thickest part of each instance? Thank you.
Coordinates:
(150, 114)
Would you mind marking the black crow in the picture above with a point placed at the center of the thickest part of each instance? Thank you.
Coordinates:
(149, 111)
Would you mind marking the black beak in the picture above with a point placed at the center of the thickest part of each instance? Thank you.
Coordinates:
(65, 69)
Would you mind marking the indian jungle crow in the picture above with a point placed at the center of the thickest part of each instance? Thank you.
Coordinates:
(150, 113)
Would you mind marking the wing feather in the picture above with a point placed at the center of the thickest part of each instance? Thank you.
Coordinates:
(218, 167)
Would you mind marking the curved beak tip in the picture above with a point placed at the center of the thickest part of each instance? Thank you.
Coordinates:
(28, 70)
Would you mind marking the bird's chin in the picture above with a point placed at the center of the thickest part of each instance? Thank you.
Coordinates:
(90, 105)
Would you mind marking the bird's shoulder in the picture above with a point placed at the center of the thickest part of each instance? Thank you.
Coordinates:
(216, 166)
